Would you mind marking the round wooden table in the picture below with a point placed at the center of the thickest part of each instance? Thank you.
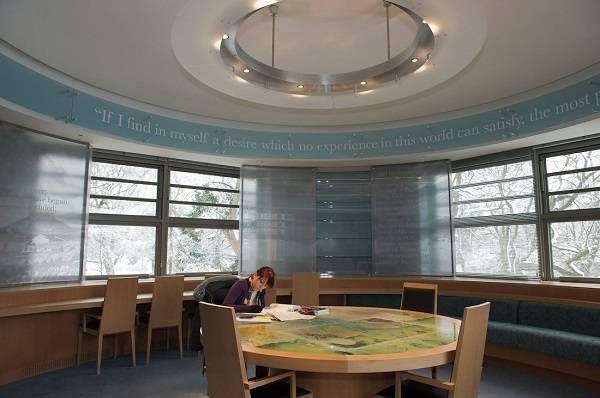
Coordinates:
(351, 351)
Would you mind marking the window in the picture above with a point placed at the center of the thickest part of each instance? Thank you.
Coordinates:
(494, 220)
(124, 218)
(572, 212)
(135, 202)
(203, 223)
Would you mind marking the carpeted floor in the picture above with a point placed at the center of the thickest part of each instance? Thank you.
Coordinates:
(166, 376)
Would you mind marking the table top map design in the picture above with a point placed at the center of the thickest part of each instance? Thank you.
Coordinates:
(353, 331)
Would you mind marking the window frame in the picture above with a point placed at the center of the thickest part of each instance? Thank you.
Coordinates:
(161, 220)
(547, 216)
(203, 223)
(489, 161)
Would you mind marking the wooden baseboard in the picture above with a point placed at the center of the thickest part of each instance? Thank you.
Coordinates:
(565, 370)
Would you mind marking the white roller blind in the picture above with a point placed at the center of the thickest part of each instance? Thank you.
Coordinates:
(411, 219)
(278, 224)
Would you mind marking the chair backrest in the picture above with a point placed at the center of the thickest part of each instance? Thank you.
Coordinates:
(225, 367)
(305, 288)
(167, 301)
(420, 297)
(466, 372)
(214, 289)
(118, 310)
(270, 295)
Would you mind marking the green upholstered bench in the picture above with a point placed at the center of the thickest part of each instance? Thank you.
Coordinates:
(563, 331)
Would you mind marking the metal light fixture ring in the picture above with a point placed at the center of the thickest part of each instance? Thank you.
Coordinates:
(328, 83)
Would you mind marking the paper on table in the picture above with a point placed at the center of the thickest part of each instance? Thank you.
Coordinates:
(285, 312)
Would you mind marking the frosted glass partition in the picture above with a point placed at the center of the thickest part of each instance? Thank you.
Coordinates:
(42, 206)
(344, 222)
(278, 219)
(411, 219)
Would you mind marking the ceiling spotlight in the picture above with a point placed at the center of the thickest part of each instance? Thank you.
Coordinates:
(246, 70)
(414, 60)
(225, 36)
(300, 86)
(424, 21)
(363, 83)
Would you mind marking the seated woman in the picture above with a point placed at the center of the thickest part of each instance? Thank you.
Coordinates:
(248, 295)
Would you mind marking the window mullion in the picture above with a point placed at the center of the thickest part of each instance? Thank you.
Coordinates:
(163, 204)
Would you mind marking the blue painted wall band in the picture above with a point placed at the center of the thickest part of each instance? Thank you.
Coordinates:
(34, 91)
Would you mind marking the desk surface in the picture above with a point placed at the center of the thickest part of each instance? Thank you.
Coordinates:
(353, 339)
(69, 305)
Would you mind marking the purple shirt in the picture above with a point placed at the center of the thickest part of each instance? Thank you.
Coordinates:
(238, 293)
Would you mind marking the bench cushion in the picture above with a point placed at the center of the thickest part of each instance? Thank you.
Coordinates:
(374, 300)
(566, 318)
(574, 346)
(500, 311)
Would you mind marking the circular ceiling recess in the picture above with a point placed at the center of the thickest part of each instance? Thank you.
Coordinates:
(327, 82)
(310, 54)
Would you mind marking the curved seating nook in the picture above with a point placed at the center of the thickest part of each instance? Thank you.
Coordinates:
(546, 325)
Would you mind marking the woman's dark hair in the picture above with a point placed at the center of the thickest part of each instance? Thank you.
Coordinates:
(267, 273)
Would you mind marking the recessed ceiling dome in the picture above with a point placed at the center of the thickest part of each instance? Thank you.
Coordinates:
(328, 48)
(158, 63)
(338, 54)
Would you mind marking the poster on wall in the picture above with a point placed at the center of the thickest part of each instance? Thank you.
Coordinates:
(42, 206)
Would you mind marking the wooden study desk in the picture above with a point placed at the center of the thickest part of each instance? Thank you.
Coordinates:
(70, 305)
(352, 351)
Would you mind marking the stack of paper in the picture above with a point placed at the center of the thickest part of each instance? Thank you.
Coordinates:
(286, 312)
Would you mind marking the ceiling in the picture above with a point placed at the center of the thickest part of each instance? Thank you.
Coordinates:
(163, 53)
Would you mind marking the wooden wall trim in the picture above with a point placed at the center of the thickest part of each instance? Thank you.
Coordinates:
(585, 294)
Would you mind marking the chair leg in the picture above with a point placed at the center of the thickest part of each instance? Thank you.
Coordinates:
(180, 341)
(434, 372)
(148, 345)
(79, 341)
(99, 359)
(132, 333)
(398, 387)
(188, 335)
(293, 386)
(115, 345)
(168, 337)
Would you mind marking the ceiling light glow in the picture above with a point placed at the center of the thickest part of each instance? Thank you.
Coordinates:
(263, 3)
(363, 83)
(246, 70)
(434, 28)
(225, 36)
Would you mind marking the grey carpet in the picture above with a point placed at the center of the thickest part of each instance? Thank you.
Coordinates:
(169, 377)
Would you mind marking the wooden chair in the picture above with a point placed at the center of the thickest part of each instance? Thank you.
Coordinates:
(270, 295)
(226, 370)
(305, 288)
(166, 309)
(118, 316)
(421, 297)
(466, 371)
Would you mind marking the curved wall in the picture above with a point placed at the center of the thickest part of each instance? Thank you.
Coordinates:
(570, 104)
